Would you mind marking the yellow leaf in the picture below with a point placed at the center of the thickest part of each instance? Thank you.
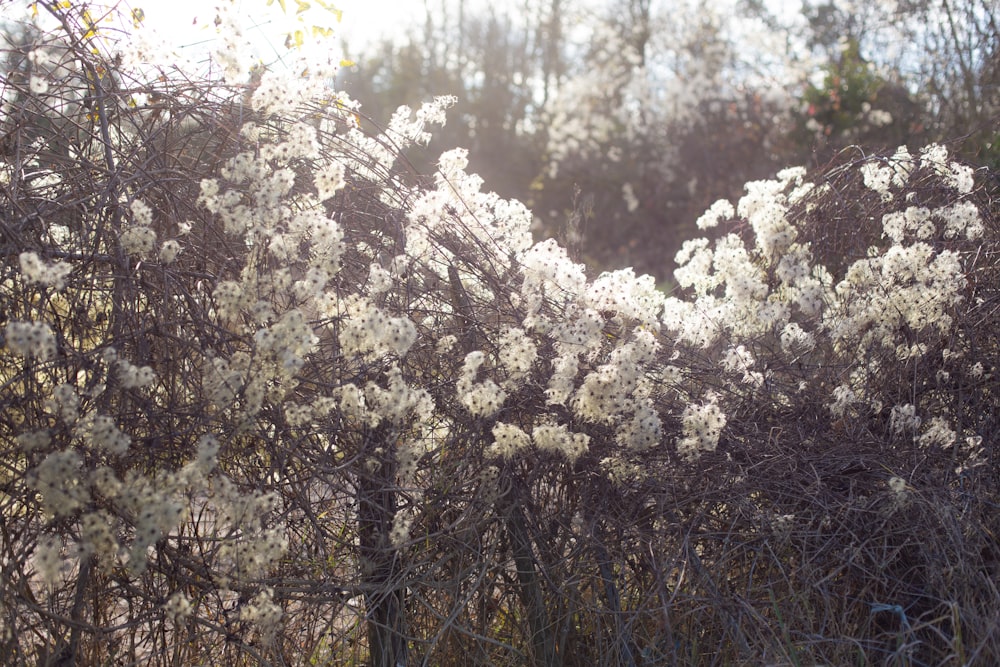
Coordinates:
(34, 10)
(303, 6)
(347, 63)
(300, 39)
(320, 31)
(138, 16)
(332, 9)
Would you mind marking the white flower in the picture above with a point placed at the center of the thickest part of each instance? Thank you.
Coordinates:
(507, 441)
(631, 201)
(961, 217)
(703, 424)
(138, 240)
(30, 339)
(132, 376)
(59, 480)
(379, 280)
(938, 432)
(557, 438)
(142, 215)
(481, 399)
(517, 353)
(795, 340)
(36, 271)
(904, 418)
(177, 607)
(263, 613)
(169, 251)
(880, 178)
(38, 85)
(720, 210)
(101, 433)
(329, 180)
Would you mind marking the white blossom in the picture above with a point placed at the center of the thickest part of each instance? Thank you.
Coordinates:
(37, 271)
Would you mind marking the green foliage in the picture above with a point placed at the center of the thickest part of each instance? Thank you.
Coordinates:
(848, 87)
(854, 104)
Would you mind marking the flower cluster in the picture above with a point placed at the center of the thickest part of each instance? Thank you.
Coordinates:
(59, 482)
(702, 424)
(397, 403)
(264, 613)
(50, 275)
(132, 376)
(402, 522)
(288, 341)
(101, 434)
(481, 399)
(138, 240)
(178, 607)
(254, 542)
(169, 251)
(367, 330)
(508, 440)
(64, 403)
(413, 131)
(328, 180)
(97, 537)
(30, 339)
(557, 438)
(518, 354)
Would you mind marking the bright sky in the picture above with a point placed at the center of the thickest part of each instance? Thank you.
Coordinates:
(190, 22)
(188, 25)
(363, 20)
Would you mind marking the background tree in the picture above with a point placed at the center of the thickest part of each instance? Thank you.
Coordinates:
(936, 59)
(697, 98)
(497, 67)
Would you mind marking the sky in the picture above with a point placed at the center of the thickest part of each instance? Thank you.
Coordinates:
(189, 22)
(363, 21)
(189, 25)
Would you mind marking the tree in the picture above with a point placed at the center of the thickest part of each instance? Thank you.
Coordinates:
(937, 59)
(852, 106)
(493, 64)
(662, 115)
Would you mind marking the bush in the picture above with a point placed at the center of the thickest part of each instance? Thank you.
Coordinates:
(271, 397)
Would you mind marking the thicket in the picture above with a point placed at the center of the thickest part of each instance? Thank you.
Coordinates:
(270, 397)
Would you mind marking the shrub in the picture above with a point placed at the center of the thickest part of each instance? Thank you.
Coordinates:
(270, 396)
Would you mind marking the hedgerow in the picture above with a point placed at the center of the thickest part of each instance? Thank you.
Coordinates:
(271, 397)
